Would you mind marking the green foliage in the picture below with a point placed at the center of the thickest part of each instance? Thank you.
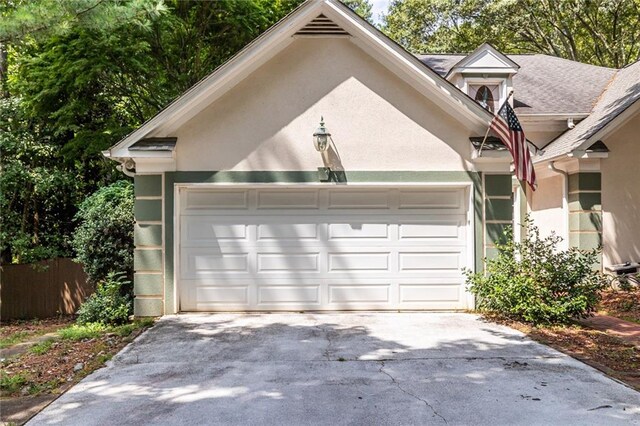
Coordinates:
(37, 193)
(109, 305)
(42, 347)
(103, 240)
(10, 383)
(80, 332)
(601, 32)
(361, 7)
(21, 18)
(533, 281)
(13, 338)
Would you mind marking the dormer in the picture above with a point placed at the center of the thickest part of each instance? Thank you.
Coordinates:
(485, 75)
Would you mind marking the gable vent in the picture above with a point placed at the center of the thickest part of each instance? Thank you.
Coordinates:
(322, 26)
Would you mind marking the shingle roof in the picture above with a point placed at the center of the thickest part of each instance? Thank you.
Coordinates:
(545, 84)
(622, 92)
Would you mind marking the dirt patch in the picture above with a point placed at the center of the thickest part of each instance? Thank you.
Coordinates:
(609, 354)
(621, 304)
(49, 368)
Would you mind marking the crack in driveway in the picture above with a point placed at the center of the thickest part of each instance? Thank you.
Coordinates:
(395, 382)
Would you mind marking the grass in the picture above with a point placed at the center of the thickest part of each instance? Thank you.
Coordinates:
(14, 338)
(42, 347)
(80, 332)
(93, 330)
(13, 383)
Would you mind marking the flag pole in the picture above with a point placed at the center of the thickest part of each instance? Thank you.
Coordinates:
(489, 128)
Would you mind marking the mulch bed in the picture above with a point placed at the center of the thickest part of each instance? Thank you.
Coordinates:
(621, 304)
(607, 353)
(53, 371)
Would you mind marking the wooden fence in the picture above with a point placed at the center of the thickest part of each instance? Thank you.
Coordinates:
(45, 289)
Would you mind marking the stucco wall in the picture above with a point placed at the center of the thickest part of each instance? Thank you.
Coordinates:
(378, 122)
(621, 195)
(545, 206)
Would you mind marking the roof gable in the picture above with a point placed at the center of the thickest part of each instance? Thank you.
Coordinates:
(332, 17)
(485, 58)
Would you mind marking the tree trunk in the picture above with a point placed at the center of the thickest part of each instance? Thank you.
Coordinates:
(4, 90)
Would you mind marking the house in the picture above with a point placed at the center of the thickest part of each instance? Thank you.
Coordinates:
(241, 205)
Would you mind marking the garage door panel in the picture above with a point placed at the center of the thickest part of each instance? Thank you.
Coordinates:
(353, 295)
(357, 230)
(287, 231)
(198, 230)
(290, 199)
(420, 293)
(432, 229)
(430, 260)
(323, 249)
(279, 295)
(431, 199)
(238, 295)
(359, 199)
(358, 261)
(203, 199)
(196, 262)
(269, 262)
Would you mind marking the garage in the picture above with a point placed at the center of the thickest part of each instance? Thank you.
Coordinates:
(277, 248)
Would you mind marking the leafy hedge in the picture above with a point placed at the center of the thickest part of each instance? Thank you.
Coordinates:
(103, 240)
(533, 281)
(110, 304)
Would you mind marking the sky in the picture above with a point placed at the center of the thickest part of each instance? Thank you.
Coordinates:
(379, 6)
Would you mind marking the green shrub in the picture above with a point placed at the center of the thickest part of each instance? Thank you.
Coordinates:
(103, 241)
(533, 281)
(109, 305)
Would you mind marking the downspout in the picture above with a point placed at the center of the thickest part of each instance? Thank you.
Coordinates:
(565, 200)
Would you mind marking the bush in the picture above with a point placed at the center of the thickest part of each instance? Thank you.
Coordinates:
(109, 305)
(534, 282)
(103, 240)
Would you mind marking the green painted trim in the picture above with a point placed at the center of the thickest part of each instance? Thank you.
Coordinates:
(147, 284)
(497, 185)
(360, 176)
(147, 235)
(148, 210)
(478, 218)
(585, 240)
(498, 209)
(148, 185)
(585, 201)
(588, 221)
(147, 307)
(147, 260)
(585, 181)
(169, 296)
(494, 232)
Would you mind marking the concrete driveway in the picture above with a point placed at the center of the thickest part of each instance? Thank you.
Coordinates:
(347, 368)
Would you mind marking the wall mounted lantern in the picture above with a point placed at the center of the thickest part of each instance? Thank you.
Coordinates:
(321, 137)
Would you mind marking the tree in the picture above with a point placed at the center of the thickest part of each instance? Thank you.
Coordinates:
(601, 32)
(37, 193)
(361, 7)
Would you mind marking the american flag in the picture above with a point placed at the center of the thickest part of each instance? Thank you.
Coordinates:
(506, 125)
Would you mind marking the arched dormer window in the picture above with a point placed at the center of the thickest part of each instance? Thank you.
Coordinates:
(484, 96)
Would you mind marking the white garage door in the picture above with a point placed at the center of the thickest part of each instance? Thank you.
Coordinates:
(322, 249)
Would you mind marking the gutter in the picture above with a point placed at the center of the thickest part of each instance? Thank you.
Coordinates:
(565, 200)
